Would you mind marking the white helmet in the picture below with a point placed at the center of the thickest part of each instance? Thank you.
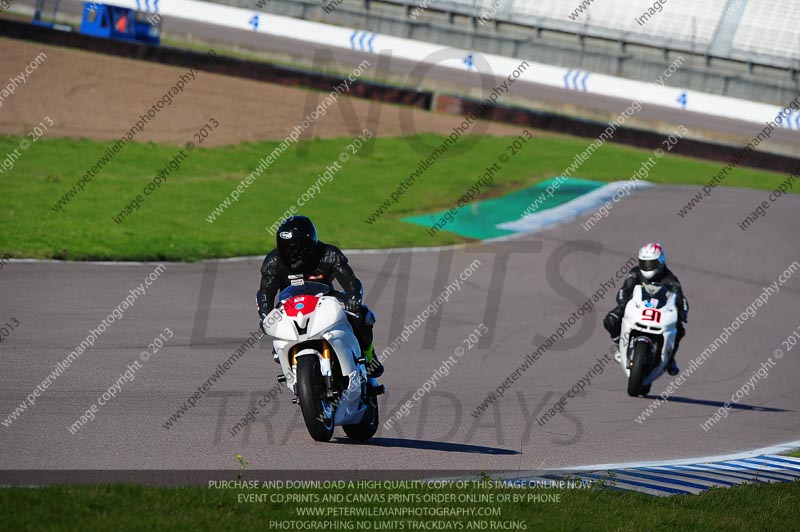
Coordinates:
(652, 260)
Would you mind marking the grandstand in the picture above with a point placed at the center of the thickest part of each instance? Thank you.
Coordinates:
(769, 29)
(748, 49)
(697, 25)
(764, 30)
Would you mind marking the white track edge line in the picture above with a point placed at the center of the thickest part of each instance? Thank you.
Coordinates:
(773, 449)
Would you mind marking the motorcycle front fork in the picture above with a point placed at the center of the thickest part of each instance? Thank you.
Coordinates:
(330, 390)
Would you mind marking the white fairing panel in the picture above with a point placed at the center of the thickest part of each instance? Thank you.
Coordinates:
(280, 326)
(642, 315)
(328, 314)
(329, 322)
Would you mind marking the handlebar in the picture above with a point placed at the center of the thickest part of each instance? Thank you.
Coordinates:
(342, 298)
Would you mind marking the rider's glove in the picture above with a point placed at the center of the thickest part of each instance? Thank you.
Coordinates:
(353, 305)
(263, 312)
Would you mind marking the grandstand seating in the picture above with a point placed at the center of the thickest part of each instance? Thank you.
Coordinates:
(768, 31)
(770, 27)
(697, 23)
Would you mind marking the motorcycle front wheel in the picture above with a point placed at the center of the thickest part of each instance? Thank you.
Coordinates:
(368, 426)
(317, 410)
(635, 387)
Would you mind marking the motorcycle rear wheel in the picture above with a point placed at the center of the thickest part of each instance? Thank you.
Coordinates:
(317, 411)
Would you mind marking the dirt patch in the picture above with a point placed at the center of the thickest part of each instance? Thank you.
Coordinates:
(101, 97)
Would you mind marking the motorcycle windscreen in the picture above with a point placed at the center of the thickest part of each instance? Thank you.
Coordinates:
(655, 296)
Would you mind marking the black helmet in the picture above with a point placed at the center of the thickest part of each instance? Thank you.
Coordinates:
(296, 242)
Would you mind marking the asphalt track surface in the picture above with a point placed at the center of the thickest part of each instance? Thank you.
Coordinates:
(209, 306)
(413, 74)
(544, 277)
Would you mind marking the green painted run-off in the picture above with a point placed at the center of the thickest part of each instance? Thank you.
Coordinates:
(480, 219)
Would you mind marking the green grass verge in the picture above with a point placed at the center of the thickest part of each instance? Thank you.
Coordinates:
(171, 224)
(796, 453)
(126, 507)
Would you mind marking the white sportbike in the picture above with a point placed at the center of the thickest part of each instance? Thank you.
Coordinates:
(322, 362)
(647, 339)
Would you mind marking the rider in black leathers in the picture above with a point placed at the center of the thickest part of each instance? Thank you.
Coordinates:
(652, 270)
(300, 256)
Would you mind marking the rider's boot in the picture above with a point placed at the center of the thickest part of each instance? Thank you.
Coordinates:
(374, 366)
(617, 354)
(672, 367)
